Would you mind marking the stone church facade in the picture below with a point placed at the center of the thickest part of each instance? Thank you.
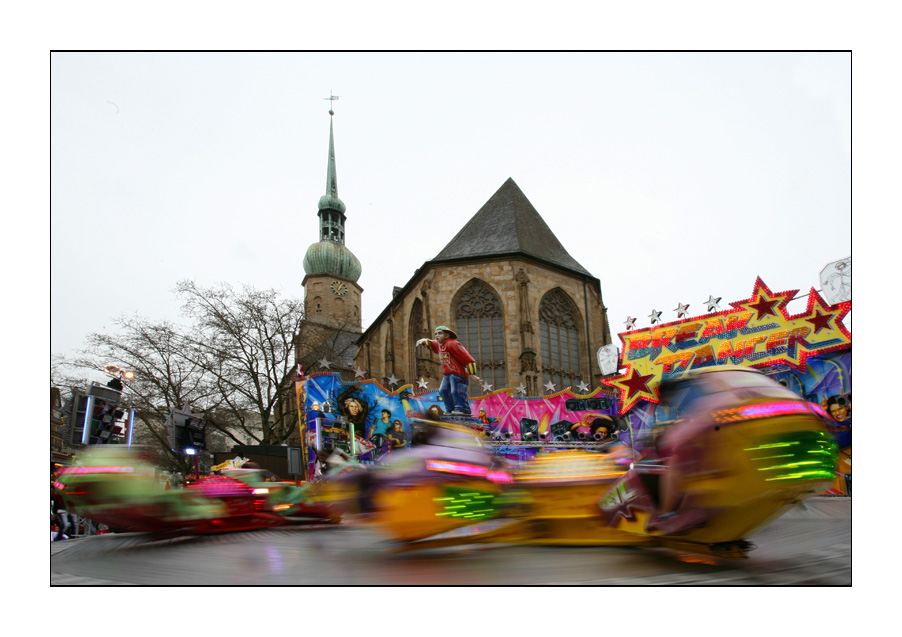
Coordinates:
(524, 308)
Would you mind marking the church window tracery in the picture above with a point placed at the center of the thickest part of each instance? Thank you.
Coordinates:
(480, 327)
(558, 320)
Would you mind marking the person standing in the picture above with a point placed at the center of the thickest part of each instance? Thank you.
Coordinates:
(62, 516)
(457, 367)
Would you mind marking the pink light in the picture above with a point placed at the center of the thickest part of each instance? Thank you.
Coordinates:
(82, 470)
(768, 410)
(500, 476)
(468, 470)
(456, 467)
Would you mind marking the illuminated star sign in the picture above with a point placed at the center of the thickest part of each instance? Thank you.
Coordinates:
(486, 387)
(521, 389)
(393, 380)
(423, 383)
(681, 310)
(764, 306)
(359, 373)
(712, 303)
(820, 321)
(633, 388)
(764, 302)
(323, 362)
(655, 316)
(583, 387)
(630, 322)
(757, 332)
(550, 386)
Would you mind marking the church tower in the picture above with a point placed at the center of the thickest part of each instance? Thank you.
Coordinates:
(331, 294)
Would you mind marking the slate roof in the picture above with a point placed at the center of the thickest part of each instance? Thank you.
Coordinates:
(508, 224)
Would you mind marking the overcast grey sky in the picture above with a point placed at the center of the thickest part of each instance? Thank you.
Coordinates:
(670, 176)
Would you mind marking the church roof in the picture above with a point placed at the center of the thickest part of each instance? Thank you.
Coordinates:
(508, 224)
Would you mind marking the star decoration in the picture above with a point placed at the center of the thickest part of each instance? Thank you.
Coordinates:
(634, 386)
(521, 389)
(323, 362)
(630, 322)
(423, 383)
(583, 387)
(820, 321)
(681, 309)
(637, 383)
(550, 386)
(655, 316)
(393, 380)
(712, 303)
(486, 387)
(764, 306)
(359, 373)
(765, 302)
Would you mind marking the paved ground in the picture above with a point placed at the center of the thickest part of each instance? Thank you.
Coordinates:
(810, 545)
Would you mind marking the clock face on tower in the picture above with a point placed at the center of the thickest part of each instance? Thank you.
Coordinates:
(339, 288)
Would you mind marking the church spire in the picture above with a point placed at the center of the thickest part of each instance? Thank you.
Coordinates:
(329, 255)
(331, 175)
(330, 201)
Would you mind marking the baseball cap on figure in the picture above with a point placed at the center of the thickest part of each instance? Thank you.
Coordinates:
(443, 328)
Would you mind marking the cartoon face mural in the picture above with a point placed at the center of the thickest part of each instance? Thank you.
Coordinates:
(370, 407)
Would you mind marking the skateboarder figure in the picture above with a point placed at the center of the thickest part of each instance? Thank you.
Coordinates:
(457, 367)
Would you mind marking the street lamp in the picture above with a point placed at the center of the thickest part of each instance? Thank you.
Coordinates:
(116, 383)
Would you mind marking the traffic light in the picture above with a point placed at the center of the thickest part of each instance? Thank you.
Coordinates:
(197, 432)
(188, 430)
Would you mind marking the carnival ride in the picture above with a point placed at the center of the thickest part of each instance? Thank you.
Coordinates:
(742, 451)
(119, 487)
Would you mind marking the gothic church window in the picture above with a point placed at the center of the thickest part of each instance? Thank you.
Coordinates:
(480, 327)
(558, 318)
(421, 360)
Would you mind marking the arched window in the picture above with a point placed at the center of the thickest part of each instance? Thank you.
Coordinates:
(480, 327)
(416, 329)
(558, 321)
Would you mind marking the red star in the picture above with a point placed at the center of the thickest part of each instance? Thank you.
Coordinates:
(637, 383)
(764, 306)
(765, 301)
(820, 321)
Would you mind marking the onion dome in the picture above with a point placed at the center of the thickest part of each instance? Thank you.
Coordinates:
(329, 257)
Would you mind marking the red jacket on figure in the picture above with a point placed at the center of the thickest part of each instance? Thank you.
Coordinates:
(454, 357)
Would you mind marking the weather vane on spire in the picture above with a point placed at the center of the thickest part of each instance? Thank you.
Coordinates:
(331, 98)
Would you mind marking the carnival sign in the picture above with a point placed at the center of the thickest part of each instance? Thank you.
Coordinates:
(756, 332)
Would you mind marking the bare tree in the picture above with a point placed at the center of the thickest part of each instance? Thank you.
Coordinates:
(243, 340)
(232, 359)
